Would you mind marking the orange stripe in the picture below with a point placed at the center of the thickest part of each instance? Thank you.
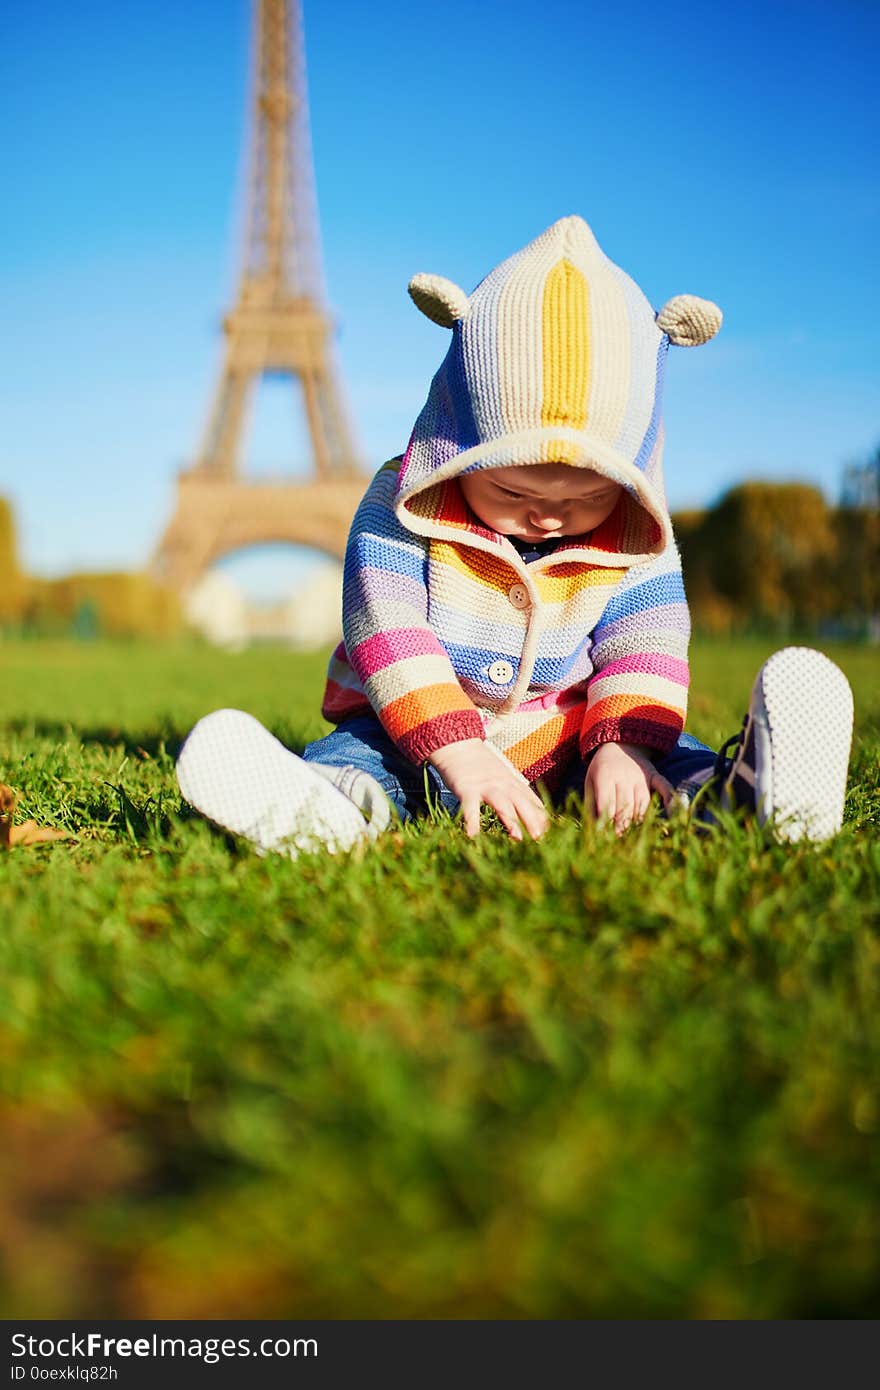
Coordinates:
(545, 738)
(622, 706)
(429, 701)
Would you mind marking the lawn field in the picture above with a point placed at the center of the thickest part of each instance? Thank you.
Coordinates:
(436, 1078)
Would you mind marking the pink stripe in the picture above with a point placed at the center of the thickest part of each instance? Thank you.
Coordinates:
(397, 644)
(648, 664)
(339, 702)
(342, 674)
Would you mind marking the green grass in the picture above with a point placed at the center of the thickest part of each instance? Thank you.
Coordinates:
(439, 1078)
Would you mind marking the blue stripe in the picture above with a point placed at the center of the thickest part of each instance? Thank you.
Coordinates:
(472, 662)
(374, 553)
(466, 435)
(552, 671)
(651, 433)
(661, 589)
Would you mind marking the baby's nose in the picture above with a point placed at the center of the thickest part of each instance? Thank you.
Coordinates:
(547, 516)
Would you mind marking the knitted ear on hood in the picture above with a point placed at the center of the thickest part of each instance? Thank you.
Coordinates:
(688, 321)
(439, 299)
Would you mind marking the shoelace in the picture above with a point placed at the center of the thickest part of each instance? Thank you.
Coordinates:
(725, 757)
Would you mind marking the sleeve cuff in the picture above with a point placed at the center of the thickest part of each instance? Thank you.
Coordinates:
(425, 739)
(660, 737)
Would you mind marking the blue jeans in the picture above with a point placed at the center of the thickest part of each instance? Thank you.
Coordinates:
(362, 743)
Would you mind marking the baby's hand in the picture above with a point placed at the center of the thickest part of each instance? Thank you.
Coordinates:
(619, 783)
(478, 775)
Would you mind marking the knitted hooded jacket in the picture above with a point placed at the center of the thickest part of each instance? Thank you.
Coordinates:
(557, 356)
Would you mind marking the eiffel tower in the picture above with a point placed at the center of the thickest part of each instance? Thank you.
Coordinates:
(279, 325)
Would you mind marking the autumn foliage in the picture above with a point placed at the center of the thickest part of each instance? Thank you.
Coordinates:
(108, 605)
(125, 604)
(12, 583)
(776, 557)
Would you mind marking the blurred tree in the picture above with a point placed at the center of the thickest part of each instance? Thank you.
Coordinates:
(86, 622)
(11, 579)
(860, 489)
(763, 556)
(120, 605)
(709, 610)
(117, 605)
(857, 523)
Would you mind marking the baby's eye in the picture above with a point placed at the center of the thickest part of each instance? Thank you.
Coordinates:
(514, 496)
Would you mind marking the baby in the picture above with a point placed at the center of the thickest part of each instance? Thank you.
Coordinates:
(513, 609)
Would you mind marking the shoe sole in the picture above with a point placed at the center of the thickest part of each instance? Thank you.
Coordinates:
(240, 777)
(803, 731)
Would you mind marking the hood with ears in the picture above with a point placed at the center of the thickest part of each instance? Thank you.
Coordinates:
(556, 356)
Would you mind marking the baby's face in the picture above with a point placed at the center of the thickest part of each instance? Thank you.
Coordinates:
(540, 502)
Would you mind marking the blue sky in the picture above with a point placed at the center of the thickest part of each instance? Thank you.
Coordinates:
(723, 150)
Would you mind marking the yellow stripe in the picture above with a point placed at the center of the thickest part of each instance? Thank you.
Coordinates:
(566, 350)
(560, 584)
(565, 582)
(478, 565)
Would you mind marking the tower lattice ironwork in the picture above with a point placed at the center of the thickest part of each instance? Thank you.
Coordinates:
(279, 325)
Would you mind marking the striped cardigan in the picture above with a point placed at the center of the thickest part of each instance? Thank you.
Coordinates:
(555, 357)
(454, 636)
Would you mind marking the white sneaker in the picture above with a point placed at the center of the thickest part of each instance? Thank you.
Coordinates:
(791, 763)
(238, 775)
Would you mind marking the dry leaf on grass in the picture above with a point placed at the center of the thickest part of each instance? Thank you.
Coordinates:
(28, 833)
